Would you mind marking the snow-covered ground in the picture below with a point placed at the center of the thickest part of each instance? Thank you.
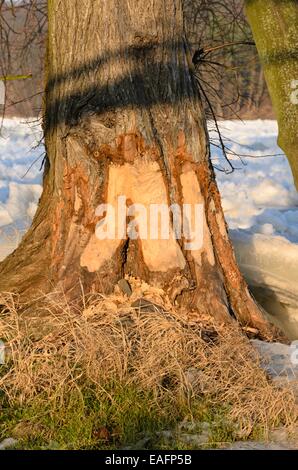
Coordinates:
(259, 199)
(19, 190)
(261, 207)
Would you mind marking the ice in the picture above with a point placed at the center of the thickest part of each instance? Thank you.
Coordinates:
(270, 264)
(261, 208)
(279, 360)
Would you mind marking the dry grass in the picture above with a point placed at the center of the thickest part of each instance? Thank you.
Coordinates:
(160, 351)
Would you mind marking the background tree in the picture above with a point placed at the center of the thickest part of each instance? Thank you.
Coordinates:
(22, 45)
(275, 28)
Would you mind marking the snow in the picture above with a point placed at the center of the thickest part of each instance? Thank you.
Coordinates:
(261, 207)
(259, 200)
(279, 360)
(20, 189)
(266, 202)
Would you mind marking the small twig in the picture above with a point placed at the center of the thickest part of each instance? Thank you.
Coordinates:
(7, 78)
(217, 128)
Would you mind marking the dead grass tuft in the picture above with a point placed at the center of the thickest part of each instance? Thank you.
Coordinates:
(160, 351)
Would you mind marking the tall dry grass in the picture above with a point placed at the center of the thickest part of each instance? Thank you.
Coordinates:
(60, 349)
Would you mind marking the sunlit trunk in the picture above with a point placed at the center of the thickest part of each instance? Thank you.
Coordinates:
(274, 25)
(123, 118)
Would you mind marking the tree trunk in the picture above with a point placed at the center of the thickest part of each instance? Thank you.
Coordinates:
(123, 117)
(274, 25)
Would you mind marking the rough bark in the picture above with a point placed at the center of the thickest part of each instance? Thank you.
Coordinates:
(123, 117)
(274, 25)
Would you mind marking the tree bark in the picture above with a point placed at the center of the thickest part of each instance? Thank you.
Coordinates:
(274, 25)
(123, 117)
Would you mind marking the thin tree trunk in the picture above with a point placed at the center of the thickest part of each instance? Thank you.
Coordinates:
(274, 25)
(123, 117)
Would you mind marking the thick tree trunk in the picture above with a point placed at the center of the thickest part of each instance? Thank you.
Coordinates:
(274, 25)
(123, 117)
